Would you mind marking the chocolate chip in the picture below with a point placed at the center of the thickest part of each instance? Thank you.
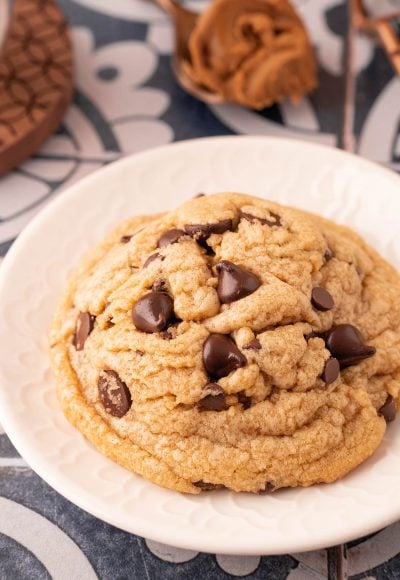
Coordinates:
(114, 394)
(215, 400)
(269, 488)
(213, 389)
(84, 326)
(388, 409)
(253, 345)
(346, 343)
(205, 486)
(165, 335)
(234, 282)
(331, 371)
(199, 195)
(160, 286)
(329, 254)
(139, 352)
(244, 400)
(206, 247)
(153, 312)
(359, 271)
(275, 221)
(205, 230)
(125, 239)
(310, 335)
(201, 232)
(221, 356)
(170, 237)
(151, 259)
(108, 323)
(321, 299)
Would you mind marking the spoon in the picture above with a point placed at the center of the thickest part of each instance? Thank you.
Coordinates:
(184, 22)
(367, 17)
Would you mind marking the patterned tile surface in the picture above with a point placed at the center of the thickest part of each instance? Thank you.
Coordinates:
(126, 101)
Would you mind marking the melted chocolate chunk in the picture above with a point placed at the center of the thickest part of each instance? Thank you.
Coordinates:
(215, 400)
(346, 343)
(213, 389)
(274, 221)
(244, 400)
(160, 286)
(125, 239)
(109, 324)
(170, 237)
(205, 486)
(221, 356)
(234, 282)
(84, 326)
(153, 312)
(206, 247)
(388, 409)
(203, 231)
(329, 254)
(321, 299)
(255, 344)
(114, 394)
(165, 335)
(151, 259)
(269, 488)
(331, 371)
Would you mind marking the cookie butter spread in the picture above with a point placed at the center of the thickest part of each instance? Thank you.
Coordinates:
(231, 342)
(254, 52)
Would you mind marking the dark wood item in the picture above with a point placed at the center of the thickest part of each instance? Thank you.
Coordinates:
(36, 79)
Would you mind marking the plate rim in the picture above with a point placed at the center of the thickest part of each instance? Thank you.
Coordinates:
(62, 484)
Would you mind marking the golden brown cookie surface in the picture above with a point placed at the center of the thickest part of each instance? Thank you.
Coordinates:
(232, 342)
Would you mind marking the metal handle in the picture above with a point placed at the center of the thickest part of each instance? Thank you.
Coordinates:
(337, 563)
(390, 42)
(381, 28)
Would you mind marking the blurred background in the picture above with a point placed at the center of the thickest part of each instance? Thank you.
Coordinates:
(127, 99)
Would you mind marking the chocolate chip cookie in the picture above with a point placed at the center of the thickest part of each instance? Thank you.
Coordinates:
(234, 343)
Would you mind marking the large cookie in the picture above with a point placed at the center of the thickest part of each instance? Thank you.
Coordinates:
(233, 342)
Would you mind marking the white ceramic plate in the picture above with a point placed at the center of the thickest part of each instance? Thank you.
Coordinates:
(343, 187)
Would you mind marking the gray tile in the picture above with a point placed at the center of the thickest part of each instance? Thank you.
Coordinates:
(7, 449)
(18, 563)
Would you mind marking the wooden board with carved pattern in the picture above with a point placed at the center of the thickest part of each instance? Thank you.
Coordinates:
(36, 79)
